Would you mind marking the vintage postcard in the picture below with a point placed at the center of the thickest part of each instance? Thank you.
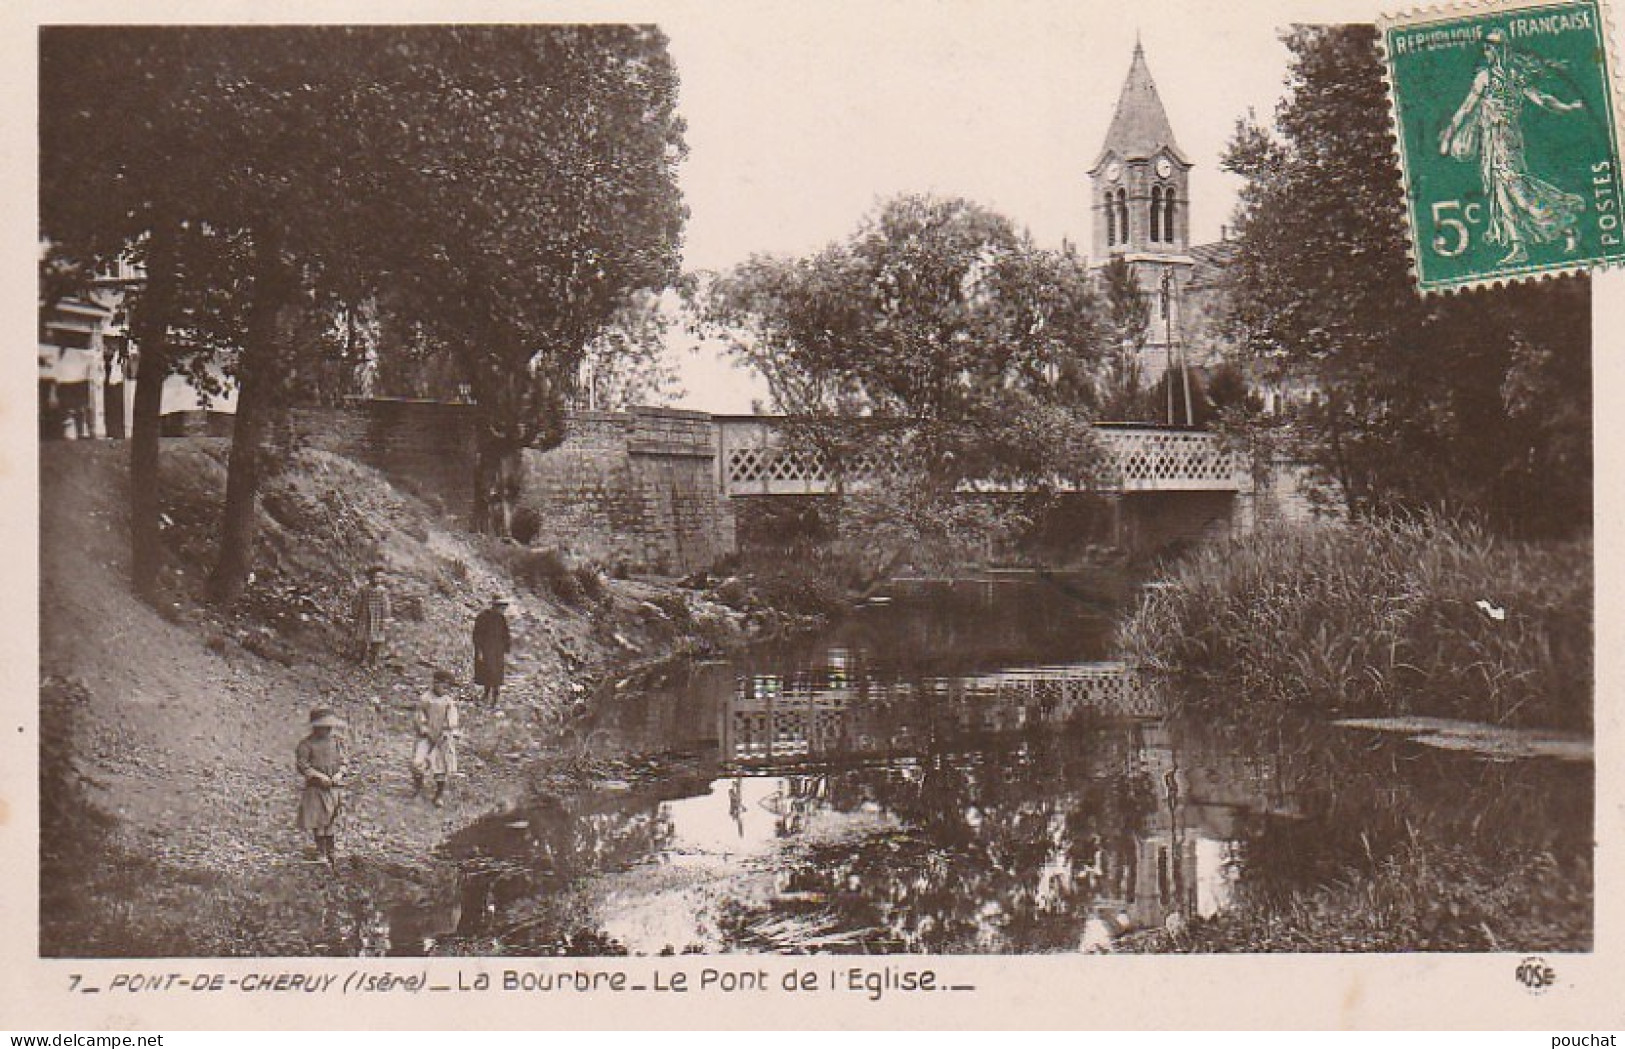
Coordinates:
(901, 515)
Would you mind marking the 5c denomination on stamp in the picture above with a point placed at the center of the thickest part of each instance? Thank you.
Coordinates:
(1508, 140)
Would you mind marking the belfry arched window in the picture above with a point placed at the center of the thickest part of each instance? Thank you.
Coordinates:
(1168, 217)
(1111, 219)
(1122, 216)
(1156, 213)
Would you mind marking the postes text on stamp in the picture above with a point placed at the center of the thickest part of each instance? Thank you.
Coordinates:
(1508, 140)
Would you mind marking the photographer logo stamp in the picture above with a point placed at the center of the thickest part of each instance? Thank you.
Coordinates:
(1536, 975)
(1508, 140)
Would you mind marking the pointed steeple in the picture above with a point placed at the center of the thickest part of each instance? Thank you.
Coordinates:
(1140, 126)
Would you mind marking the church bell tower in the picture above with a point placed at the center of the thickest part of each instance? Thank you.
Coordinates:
(1140, 197)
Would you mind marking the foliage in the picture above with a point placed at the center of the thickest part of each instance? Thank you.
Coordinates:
(1381, 618)
(508, 187)
(959, 345)
(1128, 317)
(527, 525)
(548, 573)
(1417, 393)
(626, 364)
(540, 172)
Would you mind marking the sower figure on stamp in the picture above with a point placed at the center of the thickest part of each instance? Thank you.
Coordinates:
(1523, 209)
(491, 642)
(320, 761)
(435, 752)
(372, 615)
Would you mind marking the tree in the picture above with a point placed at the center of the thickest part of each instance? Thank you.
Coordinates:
(117, 179)
(1128, 321)
(543, 195)
(936, 337)
(1477, 402)
(209, 155)
(503, 189)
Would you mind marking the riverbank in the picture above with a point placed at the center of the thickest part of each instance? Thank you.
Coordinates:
(1401, 624)
(1365, 619)
(168, 729)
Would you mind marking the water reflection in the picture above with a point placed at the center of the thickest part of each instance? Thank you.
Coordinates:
(847, 794)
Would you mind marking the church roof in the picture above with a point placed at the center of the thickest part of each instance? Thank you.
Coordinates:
(1140, 126)
(1211, 262)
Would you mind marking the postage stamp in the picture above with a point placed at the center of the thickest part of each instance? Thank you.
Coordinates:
(1508, 140)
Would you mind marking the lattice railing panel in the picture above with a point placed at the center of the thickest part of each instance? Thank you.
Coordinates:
(1171, 460)
(756, 461)
(756, 467)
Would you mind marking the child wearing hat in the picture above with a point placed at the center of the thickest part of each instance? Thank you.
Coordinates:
(320, 761)
(437, 725)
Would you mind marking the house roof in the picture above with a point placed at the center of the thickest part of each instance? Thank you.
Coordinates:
(1140, 127)
(1211, 262)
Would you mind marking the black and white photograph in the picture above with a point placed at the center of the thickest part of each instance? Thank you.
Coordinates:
(932, 481)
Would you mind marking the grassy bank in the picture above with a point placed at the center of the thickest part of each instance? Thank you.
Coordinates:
(168, 789)
(1423, 898)
(1432, 618)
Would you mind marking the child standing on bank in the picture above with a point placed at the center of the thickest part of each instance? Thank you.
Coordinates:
(437, 727)
(320, 761)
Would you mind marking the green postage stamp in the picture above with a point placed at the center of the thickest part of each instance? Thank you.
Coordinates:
(1508, 140)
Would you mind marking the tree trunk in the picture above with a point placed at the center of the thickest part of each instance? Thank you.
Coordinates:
(256, 376)
(151, 331)
(497, 485)
(1341, 468)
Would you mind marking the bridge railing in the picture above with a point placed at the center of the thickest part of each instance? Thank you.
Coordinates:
(1152, 459)
(755, 456)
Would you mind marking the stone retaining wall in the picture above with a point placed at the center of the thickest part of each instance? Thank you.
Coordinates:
(638, 488)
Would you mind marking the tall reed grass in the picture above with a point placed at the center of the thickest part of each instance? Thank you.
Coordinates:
(1382, 619)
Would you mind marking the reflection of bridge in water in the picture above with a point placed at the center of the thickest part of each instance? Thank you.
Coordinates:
(773, 721)
(1143, 829)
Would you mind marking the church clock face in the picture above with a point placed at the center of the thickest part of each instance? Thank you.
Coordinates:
(1164, 169)
(1114, 172)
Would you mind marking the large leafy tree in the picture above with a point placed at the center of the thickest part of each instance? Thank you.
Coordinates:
(501, 189)
(542, 196)
(209, 155)
(938, 336)
(1476, 402)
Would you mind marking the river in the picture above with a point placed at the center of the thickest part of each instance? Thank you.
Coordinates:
(958, 767)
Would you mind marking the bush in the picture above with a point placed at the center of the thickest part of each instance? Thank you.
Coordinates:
(526, 526)
(1380, 618)
(675, 608)
(546, 572)
(590, 581)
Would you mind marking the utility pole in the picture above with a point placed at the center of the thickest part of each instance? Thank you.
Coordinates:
(1168, 341)
(1169, 302)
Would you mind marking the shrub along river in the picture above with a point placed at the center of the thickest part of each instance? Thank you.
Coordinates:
(963, 767)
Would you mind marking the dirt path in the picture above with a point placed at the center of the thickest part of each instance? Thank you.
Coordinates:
(187, 736)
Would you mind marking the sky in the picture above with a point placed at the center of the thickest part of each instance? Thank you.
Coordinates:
(801, 117)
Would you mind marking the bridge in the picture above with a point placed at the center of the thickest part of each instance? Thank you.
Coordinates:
(760, 455)
(673, 490)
